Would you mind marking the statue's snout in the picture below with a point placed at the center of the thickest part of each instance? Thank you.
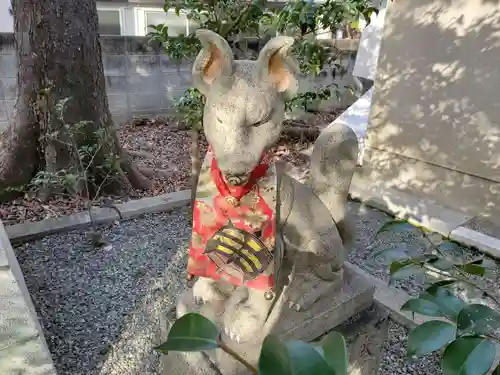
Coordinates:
(237, 179)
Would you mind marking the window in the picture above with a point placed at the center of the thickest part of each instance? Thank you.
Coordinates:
(109, 21)
(176, 24)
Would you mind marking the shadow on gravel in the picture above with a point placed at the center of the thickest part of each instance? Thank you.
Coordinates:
(99, 306)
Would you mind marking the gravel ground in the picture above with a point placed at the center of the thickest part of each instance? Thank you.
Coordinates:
(100, 307)
(394, 361)
(409, 244)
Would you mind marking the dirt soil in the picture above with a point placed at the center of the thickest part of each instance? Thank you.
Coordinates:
(154, 146)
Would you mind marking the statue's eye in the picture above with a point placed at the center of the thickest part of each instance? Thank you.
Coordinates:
(263, 121)
(259, 123)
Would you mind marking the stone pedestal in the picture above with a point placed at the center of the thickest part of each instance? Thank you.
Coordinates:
(355, 296)
(187, 364)
(365, 334)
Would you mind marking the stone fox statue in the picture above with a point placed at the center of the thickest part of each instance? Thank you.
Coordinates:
(256, 231)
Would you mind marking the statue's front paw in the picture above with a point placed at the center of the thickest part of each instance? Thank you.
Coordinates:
(233, 334)
(299, 302)
(299, 294)
(245, 315)
(306, 290)
(245, 324)
(205, 291)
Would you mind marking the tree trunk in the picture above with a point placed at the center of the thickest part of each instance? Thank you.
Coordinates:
(59, 57)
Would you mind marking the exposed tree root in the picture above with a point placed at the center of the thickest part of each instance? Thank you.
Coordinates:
(155, 172)
(18, 155)
(135, 177)
(140, 154)
(302, 133)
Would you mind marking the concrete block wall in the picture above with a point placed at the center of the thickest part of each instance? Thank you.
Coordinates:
(140, 80)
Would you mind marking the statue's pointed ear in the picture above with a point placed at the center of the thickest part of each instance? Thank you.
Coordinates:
(215, 60)
(275, 64)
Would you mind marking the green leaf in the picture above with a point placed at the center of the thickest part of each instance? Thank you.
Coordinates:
(448, 303)
(430, 336)
(451, 248)
(389, 254)
(442, 264)
(496, 371)
(397, 226)
(489, 264)
(398, 265)
(473, 269)
(274, 357)
(422, 306)
(191, 333)
(335, 353)
(468, 356)
(306, 360)
(442, 283)
(478, 319)
(428, 257)
(401, 269)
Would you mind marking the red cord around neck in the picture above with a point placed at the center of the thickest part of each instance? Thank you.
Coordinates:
(237, 191)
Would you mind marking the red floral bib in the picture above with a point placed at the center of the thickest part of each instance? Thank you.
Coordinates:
(234, 220)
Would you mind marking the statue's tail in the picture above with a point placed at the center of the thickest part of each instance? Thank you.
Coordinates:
(333, 163)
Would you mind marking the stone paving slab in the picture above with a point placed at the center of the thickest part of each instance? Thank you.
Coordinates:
(26, 358)
(448, 222)
(37, 229)
(484, 225)
(484, 243)
(477, 232)
(23, 350)
(16, 323)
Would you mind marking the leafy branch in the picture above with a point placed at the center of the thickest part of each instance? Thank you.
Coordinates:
(466, 332)
(437, 261)
(91, 168)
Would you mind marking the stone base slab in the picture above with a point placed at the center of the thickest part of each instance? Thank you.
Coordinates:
(355, 296)
(365, 334)
(176, 363)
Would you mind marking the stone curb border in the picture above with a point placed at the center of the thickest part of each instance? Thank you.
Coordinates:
(425, 214)
(104, 215)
